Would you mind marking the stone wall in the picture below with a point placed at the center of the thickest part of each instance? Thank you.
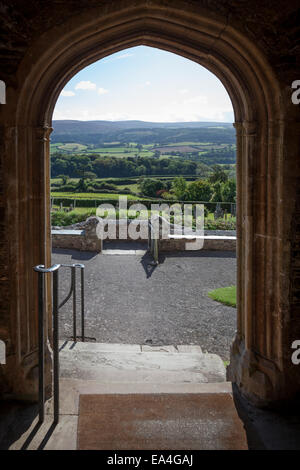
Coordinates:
(182, 244)
(78, 239)
(83, 236)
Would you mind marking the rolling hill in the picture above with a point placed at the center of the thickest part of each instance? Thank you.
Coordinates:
(99, 132)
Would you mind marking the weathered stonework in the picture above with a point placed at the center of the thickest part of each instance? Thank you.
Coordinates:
(254, 48)
(225, 242)
(84, 237)
(83, 240)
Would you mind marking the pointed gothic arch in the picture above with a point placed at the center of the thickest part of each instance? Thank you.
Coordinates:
(260, 363)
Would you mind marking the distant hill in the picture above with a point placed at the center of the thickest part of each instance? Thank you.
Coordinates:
(99, 127)
(98, 132)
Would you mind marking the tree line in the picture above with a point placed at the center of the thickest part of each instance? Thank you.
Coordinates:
(76, 166)
(218, 187)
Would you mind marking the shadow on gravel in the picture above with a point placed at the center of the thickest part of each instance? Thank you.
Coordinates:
(75, 254)
(196, 254)
(148, 264)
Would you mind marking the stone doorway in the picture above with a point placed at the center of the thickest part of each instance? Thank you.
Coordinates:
(267, 151)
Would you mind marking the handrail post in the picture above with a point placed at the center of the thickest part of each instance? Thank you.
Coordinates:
(41, 270)
(41, 343)
(55, 347)
(73, 268)
(82, 302)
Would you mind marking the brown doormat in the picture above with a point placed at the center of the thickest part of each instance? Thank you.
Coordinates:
(159, 421)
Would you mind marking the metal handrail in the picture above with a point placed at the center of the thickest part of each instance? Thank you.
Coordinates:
(73, 291)
(54, 270)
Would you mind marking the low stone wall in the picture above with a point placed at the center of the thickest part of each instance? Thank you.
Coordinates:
(76, 238)
(83, 236)
(183, 245)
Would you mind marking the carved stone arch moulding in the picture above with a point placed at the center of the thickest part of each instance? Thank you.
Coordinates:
(257, 366)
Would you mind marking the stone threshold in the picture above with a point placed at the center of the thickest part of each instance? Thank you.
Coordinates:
(129, 348)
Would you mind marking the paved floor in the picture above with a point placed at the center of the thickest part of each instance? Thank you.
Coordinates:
(130, 301)
(19, 428)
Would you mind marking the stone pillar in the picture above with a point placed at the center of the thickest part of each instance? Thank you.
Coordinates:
(258, 363)
(92, 242)
(28, 226)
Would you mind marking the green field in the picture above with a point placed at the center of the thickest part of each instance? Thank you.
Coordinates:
(131, 150)
(71, 147)
(116, 151)
(66, 195)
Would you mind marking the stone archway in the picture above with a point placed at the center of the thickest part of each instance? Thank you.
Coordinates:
(260, 359)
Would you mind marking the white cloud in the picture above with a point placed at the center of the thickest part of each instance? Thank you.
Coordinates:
(184, 91)
(166, 115)
(67, 93)
(122, 56)
(143, 85)
(88, 85)
(201, 99)
(86, 114)
(102, 91)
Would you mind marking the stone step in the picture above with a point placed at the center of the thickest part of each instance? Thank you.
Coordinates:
(115, 363)
(134, 348)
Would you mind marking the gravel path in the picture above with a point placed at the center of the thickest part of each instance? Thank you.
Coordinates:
(128, 301)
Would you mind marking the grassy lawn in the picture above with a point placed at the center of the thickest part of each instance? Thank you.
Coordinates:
(225, 295)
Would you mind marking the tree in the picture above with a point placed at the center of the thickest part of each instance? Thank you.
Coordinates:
(150, 186)
(200, 190)
(229, 191)
(90, 175)
(217, 192)
(179, 187)
(64, 179)
(218, 175)
(81, 185)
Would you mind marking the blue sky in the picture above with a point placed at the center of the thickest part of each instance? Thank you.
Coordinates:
(146, 84)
